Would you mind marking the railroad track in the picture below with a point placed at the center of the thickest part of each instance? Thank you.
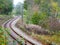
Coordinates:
(6, 26)
(17, 34)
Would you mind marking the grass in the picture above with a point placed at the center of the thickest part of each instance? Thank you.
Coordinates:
(47, 39)
(3, 40)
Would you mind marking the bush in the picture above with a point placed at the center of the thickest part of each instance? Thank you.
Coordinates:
(40, 19)
(35, 18)
(43, 19)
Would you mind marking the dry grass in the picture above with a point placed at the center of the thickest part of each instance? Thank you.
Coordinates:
(47, 39)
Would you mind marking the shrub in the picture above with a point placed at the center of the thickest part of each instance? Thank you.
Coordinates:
(35, 18)
(43, 21)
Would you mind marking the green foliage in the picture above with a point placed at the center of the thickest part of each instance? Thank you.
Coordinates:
(40, 19)
(37, 1)
(2, 37)
(47, 9)
(35, 18)
(43, 19)
(25, 12)
(25, 4)
(6, 6)
(43, 15)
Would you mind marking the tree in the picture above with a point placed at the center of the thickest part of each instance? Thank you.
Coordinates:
(6, 6)
(25, 4)
(19, 8)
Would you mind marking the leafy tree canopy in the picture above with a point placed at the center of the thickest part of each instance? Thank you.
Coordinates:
(6, 6)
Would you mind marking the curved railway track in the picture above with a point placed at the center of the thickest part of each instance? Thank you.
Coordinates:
(17, 34)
